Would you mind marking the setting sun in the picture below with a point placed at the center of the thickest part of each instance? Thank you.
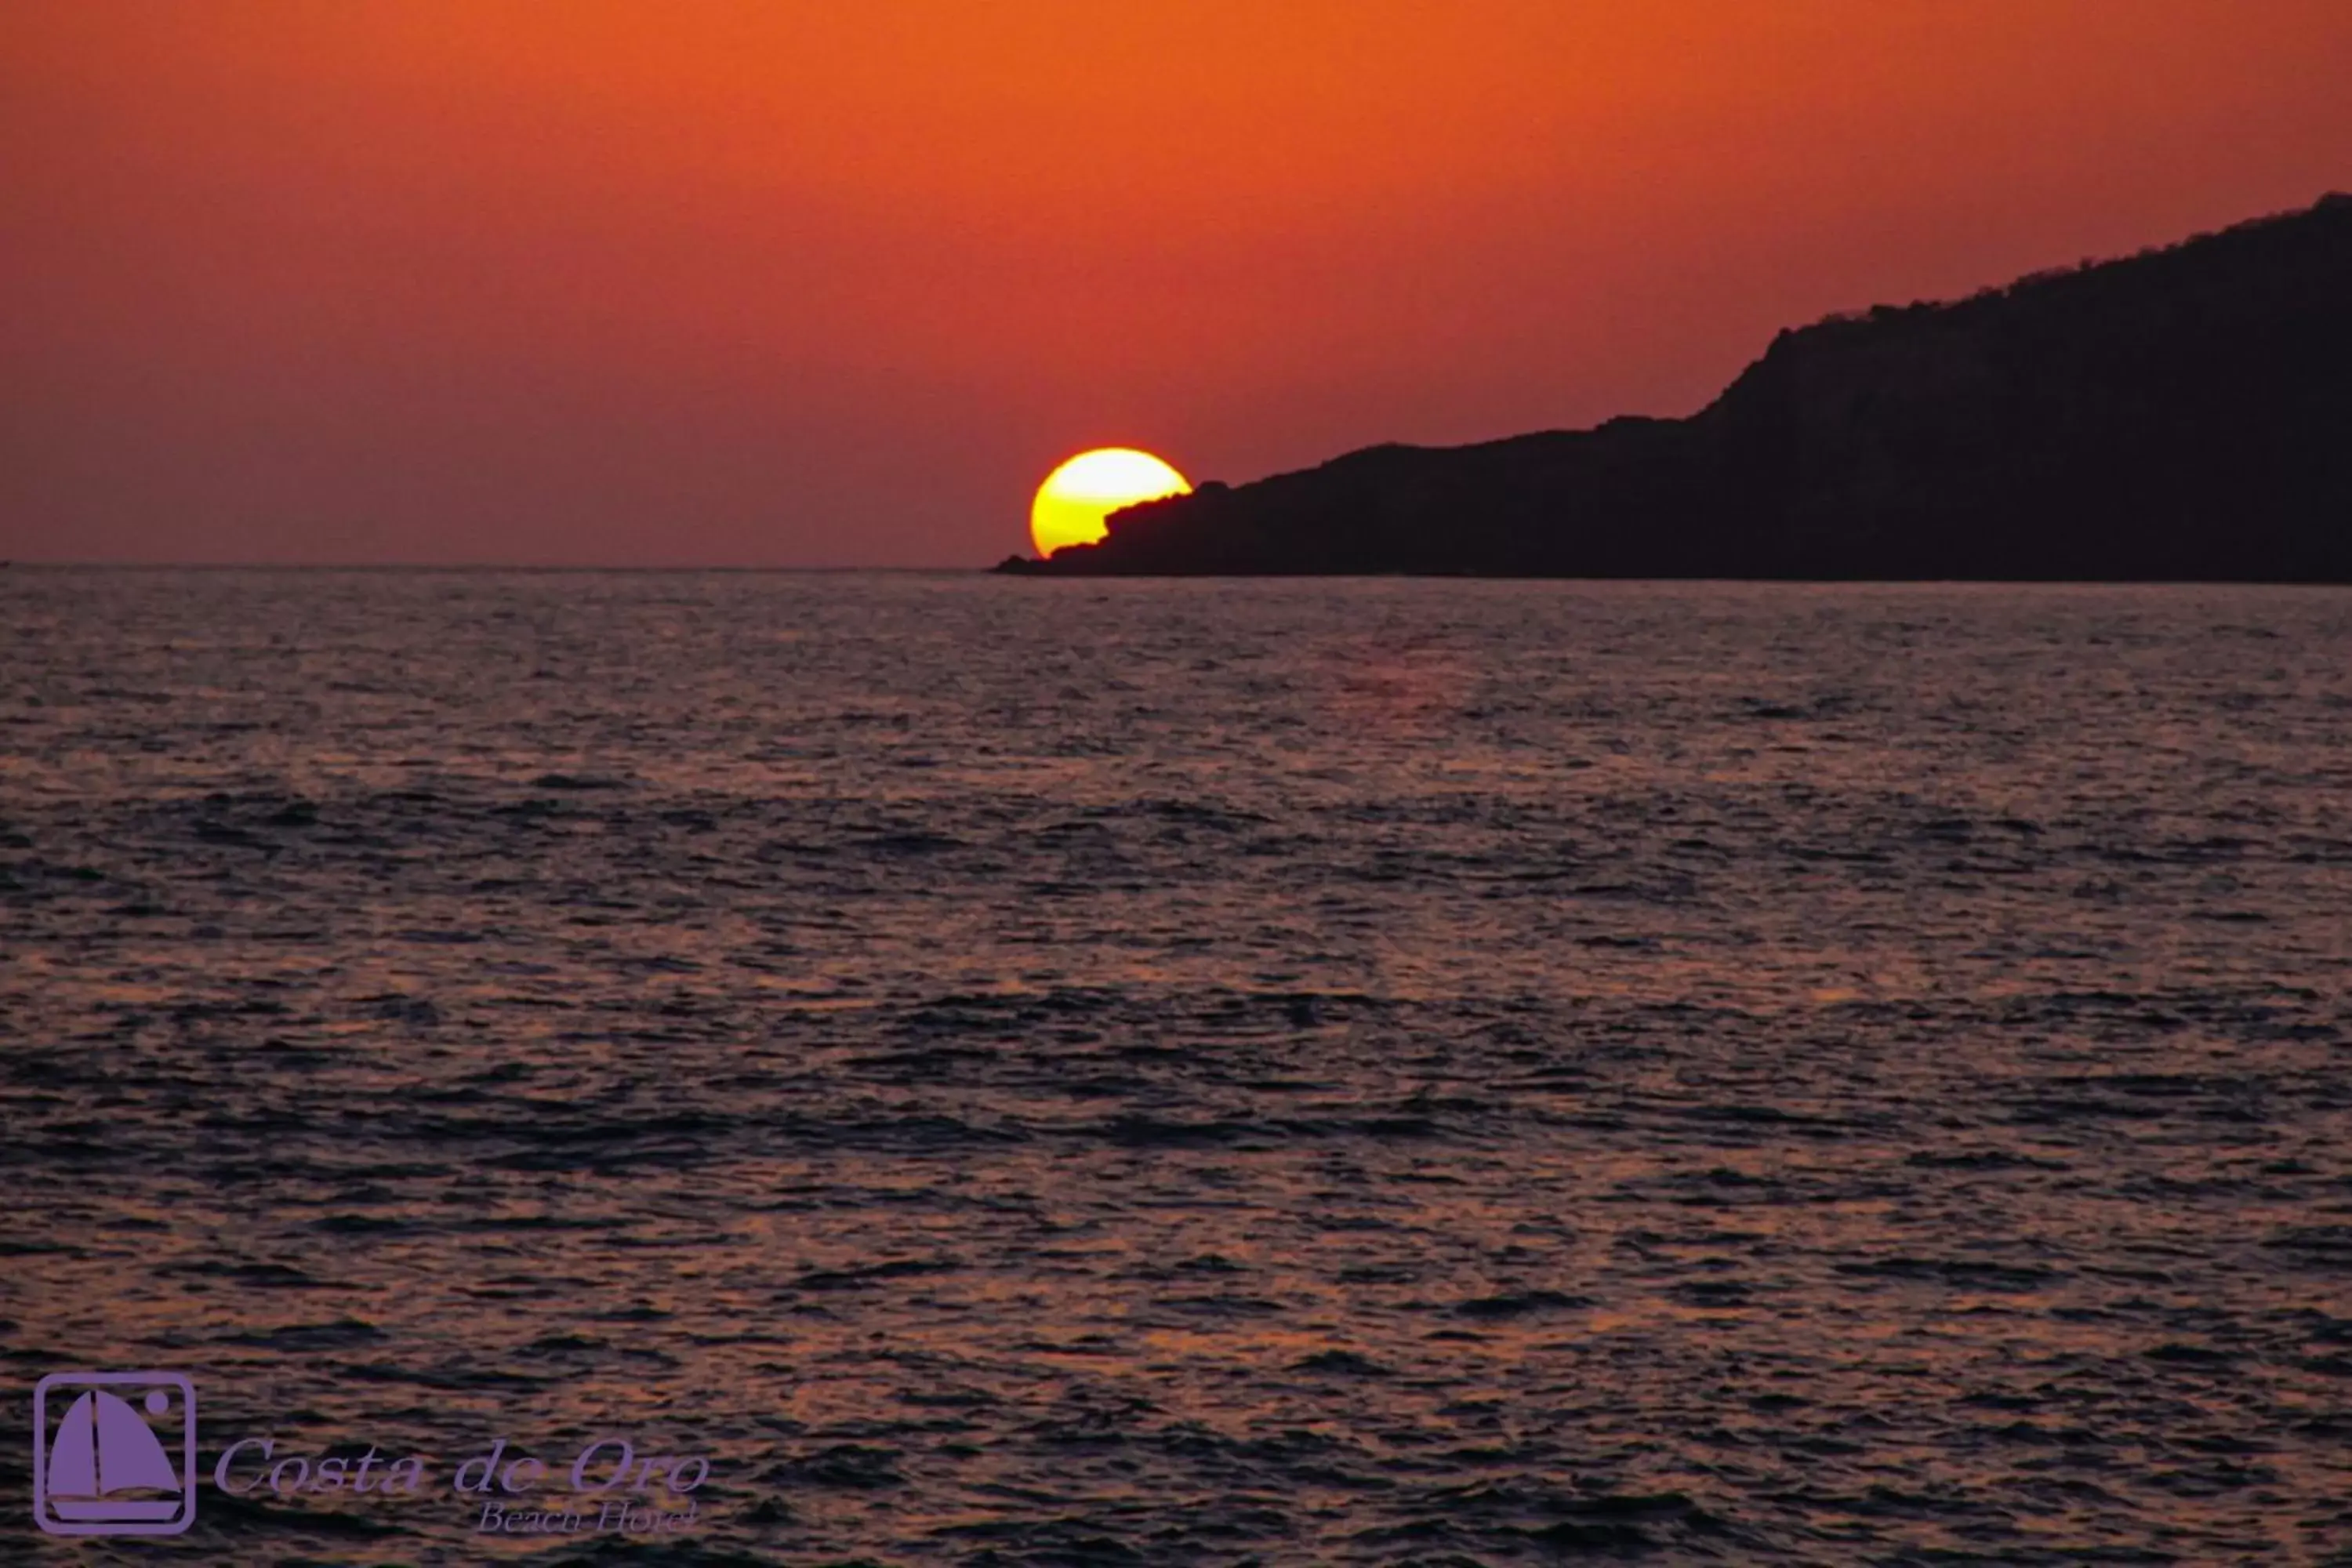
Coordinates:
(1076, 498)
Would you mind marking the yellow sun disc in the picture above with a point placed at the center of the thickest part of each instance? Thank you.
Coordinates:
(1076, 498)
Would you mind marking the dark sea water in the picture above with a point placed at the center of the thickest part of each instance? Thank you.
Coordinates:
(1193, 1073)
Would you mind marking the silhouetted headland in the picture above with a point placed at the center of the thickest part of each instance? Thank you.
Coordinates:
(2182, 415)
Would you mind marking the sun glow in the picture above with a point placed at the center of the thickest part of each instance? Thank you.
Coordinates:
(1076, 498)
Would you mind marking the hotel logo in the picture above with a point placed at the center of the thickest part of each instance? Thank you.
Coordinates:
(114, 1453)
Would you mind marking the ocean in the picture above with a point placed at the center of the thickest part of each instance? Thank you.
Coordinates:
(978, 1071)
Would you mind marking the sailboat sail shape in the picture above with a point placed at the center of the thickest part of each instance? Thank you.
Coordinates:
(103, 1454)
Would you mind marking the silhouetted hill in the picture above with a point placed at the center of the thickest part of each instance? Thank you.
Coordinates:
(2184, 415)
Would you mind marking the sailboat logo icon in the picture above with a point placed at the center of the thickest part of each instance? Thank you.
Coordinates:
(105, 1466)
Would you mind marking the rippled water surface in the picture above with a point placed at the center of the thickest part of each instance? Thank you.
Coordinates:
(1195, 1073)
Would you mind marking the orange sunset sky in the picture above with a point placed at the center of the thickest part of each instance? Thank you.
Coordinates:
(836, 284)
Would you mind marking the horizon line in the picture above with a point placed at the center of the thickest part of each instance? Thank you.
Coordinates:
(424, 568)
(18, 563)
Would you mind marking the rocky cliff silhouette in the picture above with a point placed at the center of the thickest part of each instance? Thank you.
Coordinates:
(2182, 415)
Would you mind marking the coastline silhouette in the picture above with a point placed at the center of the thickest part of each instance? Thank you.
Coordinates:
(2177, 416)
